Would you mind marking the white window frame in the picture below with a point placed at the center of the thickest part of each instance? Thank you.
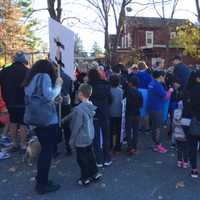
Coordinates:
(151, 34)
(172, 35)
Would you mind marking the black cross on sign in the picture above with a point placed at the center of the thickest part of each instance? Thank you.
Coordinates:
(58, 57)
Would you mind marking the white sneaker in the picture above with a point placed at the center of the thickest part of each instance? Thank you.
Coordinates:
(107, 164)
(4, 155)
(99, 165)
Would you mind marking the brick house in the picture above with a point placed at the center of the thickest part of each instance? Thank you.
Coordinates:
(152, 38)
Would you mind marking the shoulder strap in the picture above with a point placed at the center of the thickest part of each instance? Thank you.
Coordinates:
(39, 86)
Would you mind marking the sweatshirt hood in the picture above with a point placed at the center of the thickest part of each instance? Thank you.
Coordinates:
(88, 107)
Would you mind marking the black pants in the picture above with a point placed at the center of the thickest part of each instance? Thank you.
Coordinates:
(65, 130)
(193, 143)
(66, 109)
(115, 129)
(132, 127)
(102, 141)
(47, 138)
(182, 151)
(86, 161)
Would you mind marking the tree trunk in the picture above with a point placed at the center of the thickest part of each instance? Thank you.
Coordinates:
(55, 13)
(120, 25)
(198, 9)
(107, 43)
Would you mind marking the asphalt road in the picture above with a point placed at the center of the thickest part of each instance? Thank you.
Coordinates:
(146, 176)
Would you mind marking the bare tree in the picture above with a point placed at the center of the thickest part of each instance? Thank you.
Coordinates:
(119, 19)
(198, 9)
(166, 20)
(102, 8)
(55, 13)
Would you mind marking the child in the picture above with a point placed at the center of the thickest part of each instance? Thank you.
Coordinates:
(134, 101)
(116, 113)
(81, 124)
(157, 96)
(181, 142)
(4, 126)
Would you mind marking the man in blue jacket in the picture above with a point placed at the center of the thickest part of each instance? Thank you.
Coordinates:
(181, 72)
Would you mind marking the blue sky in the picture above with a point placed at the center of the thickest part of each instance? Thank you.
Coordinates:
(90, 32)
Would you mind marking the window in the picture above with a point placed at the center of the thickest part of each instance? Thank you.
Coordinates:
(172, 35)
(149, 38)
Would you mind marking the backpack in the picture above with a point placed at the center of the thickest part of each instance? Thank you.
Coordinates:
(38, 110)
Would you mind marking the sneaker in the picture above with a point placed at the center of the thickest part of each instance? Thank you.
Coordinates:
(13, 149)
(194, 174)
(68, 151)
(22, 151)
(5, 141)
(161, 149)
(99, 165)
(131, 152)
(179, 164)
(47, 189)
(107, 164)
(83, 182)
(4, 155)
(97, 177)
(185, 165)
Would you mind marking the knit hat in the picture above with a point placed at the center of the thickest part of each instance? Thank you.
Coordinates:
(20, 58)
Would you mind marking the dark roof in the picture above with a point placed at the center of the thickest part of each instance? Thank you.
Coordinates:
(153, 22)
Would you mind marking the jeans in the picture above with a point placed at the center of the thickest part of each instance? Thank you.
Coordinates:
(115, 129)
(132, 127)
(86, 161)
(47, 138)
(182, 151)
(156, 119)
(102, 141)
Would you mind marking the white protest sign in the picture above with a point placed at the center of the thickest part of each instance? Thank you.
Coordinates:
(66, 37)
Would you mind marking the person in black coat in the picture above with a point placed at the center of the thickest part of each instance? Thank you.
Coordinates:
(192, 110)
(11, 80)
(134, 102)
(101, 97)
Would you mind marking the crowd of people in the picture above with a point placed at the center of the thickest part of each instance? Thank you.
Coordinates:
(103, 109)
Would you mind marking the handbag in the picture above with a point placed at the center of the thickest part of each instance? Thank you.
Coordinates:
(195, 127)
(38, 110)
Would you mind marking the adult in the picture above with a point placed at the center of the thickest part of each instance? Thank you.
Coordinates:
(122, 72)
(67, 95)
(43, 75)
(181, 72)
(143, 75)
(11, 79)
(192, 110)
(101, 97)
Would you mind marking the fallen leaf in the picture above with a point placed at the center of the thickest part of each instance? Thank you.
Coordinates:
(103, 185)
(28, 198)
(32, 179)
(160, 197)
(159, 162)
(12, 169)
(57, 162)
(173, 155)
(180, 184)
(4, 181)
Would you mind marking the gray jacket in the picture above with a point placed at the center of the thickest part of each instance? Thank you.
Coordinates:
(81, 124)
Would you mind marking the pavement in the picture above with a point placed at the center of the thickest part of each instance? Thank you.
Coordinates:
(145, 176)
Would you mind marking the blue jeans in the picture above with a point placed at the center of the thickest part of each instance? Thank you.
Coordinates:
(102, 141)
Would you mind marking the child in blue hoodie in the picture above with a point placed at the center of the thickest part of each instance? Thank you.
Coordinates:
(157, 96)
